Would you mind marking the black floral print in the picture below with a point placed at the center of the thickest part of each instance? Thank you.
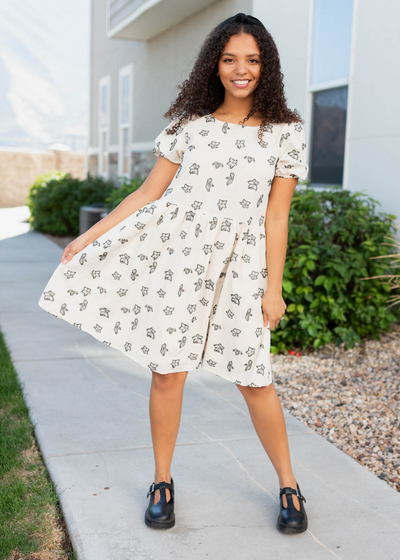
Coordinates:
(178, 284)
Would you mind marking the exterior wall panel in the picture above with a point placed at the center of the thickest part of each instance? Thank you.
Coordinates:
(373, 139)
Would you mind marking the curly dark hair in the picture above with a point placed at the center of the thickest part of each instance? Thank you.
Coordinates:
(203, 92)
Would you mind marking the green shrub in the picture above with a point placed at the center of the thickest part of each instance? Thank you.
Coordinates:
(124, 188)
(54, 201)
(333, 236)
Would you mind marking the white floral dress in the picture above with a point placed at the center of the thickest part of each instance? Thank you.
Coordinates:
(178, 284)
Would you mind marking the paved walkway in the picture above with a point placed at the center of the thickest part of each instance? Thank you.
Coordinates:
(90, 406)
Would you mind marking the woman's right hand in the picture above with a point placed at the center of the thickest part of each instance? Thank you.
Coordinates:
(74, 247)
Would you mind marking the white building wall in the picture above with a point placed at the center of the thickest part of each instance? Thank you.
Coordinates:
(107, 57)
(288, 22)
(373, 135)
(159, 65)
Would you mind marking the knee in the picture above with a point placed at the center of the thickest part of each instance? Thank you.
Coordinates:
(169, 381)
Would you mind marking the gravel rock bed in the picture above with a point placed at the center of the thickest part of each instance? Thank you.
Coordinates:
(351, 397)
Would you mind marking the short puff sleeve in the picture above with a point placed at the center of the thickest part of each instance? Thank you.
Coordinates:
(171, 146)
(291, 162)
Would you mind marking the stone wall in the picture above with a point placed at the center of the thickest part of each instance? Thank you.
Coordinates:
(19, 169)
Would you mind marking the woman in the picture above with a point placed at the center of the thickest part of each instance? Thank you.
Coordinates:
(206, 234)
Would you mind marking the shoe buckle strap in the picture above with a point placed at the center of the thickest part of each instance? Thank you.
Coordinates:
(151, 489)
(288, 490)
(163, 484)
(159, 486)
(300, 495)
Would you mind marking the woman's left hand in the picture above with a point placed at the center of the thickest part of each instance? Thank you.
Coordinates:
(273, 307)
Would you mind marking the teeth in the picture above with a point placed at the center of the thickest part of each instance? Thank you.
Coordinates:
(241, 81)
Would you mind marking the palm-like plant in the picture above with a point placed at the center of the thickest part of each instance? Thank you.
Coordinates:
(392, 280)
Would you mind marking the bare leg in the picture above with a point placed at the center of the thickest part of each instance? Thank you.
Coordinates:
(269, 422)
(165, 409)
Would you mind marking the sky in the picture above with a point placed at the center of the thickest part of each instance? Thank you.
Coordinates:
(44, 73)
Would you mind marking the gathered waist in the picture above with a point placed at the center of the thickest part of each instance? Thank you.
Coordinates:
(217, 219)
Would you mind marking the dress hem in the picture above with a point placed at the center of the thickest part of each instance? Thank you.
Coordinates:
(140, 361)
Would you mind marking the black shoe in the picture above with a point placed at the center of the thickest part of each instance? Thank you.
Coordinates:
(290, 519)
(160, 515)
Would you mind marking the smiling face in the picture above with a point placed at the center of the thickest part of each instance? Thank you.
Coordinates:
(239, 66)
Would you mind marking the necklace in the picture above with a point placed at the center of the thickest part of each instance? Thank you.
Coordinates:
(229, 114)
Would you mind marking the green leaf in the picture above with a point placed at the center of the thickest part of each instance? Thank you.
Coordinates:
(312, 330)
(319, 280)
(287, 286)
(310, 265)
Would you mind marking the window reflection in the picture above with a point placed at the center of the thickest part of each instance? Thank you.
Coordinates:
(328, 136)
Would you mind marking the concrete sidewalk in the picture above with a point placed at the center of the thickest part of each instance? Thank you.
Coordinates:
(90, 406)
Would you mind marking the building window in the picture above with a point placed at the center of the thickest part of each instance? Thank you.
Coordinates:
(329, 79)
(125, 120)
(328, 134)
(104, 124)
(104, 153)
(112, 165)
(93, 164)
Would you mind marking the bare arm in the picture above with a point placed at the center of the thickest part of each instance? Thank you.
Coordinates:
(276, 230)
(151, 189)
